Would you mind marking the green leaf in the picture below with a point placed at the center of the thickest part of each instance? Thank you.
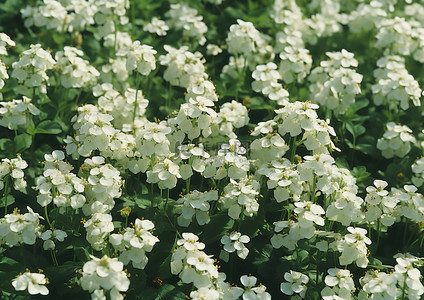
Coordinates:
(81, 253)
(341, 162)
(349, 127)
(22, 142)
(143, 202)
(63, 272)
(10, 200)
(263, 255)
(165, 268)
(301, 255)
(218, 226)
(48, 127)
(4, 143)
(170, 292)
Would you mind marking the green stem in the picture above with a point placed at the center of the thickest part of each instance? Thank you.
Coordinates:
(378, 234)
(47, 217)
(54, 258)
(166, 202)
(136, 99)
(317, 274)
(404, 286)
(188, 185)
(293, 150)
(168, 96)
(5, 194)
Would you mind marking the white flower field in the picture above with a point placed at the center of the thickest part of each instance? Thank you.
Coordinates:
(211, 149)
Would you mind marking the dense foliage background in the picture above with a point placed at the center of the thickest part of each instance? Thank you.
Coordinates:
(218, 149)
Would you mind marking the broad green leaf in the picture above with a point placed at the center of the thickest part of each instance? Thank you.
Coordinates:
(170, 292)
(10, 200)
(22, 142)
(218, 226)
(263, 255)
(48, 127)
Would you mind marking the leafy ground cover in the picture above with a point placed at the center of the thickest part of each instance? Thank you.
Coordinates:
(211, 149)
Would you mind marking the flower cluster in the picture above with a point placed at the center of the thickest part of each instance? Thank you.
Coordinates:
(156, 26)
(241, 197)
(339, 283)
(266, 81)
(183, 17)
(94, 131)
(353, 247)
(191, 263)
(104, 275)
(133, 243)
(122, 108)
(59, 184)
(395, 87)
(295, 64)
(396, 141)
(334, 83)
(103, 185)
(183, 66)
(196, 204)
(140, 57)
(270, 146)
(248, 46)
(378, 206)
(75, 71)
(231, 115)
(404, 281)
(13, 168)
(17, 113)
(35, 283)
(298, 117)
(31, 70)
(234, 242)
(296, 283)
(17, 228)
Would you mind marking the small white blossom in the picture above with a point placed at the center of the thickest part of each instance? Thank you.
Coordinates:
(35, 283)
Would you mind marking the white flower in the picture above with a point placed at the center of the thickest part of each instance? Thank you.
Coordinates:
(353, 247)
(31, 69)
(395, 87)
(243, 38)
(140, 57)
(49, 235)
(75, 71)
(19, 228)
(133, 243)
(5, 40)
(396, 141)
(17, 113)
(156, 26)
(183, 67)
(182, 17)
(190, 242)
(196, 204)
(296, 283)
(104, 273)
(213, 50)
(253, 292)
(98, 227)
(235, 242)
(205, 293)
(35, 283)
(339, 284)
